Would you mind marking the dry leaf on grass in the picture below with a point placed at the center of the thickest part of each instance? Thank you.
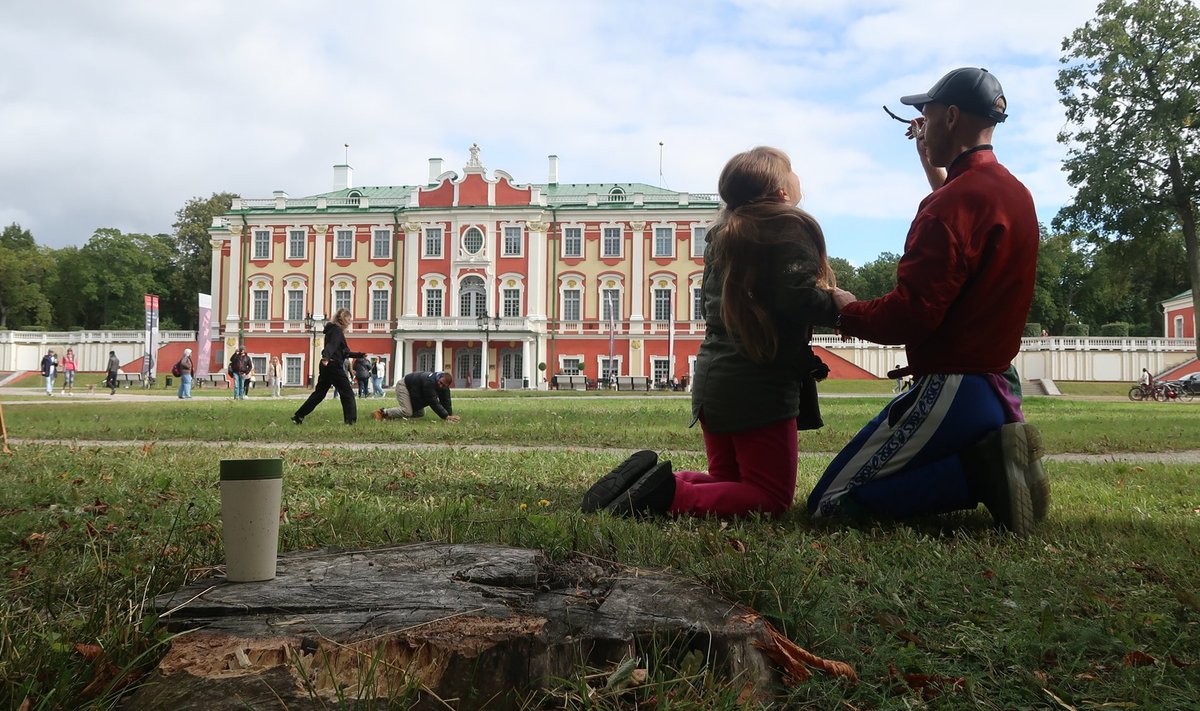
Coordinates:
(795, 660)
(1138, 659)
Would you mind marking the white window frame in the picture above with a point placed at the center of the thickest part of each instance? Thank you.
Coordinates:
(1178, 327)
(510, 302)
(670, 242)
(697, 302)
(265, 254)
(293, 364)
(290, 301)
(618, 363)
(260, 296)
(424, 360)
(431, 236)
(699, 240)
(507, 232)
(570, 364)
(604, 237)
(462, 242)
(440, 293)
(606, 303)
(665, 363)
(566, 253)
(381, 243)
(375, 300)
(297, 237)
(348, 305)
(655, 292)
(475, 304)
(337, 244)
(578, 292)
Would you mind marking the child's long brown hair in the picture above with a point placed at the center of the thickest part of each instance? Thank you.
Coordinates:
(753, 221)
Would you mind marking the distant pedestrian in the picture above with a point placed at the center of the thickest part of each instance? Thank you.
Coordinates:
(275, 375)
(362, 373)
(50, 370)
(185, 367)
(240, 367)
(376, 379)
(899, 386)
(333, 371)
(111, 370)
(68, 369)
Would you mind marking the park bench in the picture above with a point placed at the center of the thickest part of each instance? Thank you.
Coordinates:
(129, 379)
(570, 382)
(212, 379)
(633, 382)
(512, 383)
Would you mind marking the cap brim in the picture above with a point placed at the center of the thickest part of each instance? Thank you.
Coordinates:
(917, 100)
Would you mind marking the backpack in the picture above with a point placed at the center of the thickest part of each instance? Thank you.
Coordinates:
(176, 370)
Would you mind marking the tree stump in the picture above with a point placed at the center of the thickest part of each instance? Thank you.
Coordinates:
(438, 625)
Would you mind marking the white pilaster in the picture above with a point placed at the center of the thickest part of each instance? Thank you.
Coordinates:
(233, 290)
(317, 288)
(536, 287)
(412, 242)
(637, 287)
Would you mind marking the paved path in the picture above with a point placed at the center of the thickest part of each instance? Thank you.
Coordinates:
(1182, 457)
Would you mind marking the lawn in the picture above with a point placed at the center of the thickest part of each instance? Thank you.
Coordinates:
(1099, 609)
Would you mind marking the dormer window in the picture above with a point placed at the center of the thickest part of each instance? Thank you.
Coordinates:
(616, 195)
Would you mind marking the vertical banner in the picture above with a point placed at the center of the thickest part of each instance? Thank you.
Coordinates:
(150, 359)
(203, 341)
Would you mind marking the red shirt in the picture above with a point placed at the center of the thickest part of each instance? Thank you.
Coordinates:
(965, 282)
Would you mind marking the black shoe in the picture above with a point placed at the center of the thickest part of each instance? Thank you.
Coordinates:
(996, 470)
(298, 419)
(613, 484)
(651, 494)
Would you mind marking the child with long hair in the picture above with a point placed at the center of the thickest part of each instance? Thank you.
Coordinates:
(766, 284)
(333, 371)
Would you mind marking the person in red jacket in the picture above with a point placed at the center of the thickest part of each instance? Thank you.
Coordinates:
(964, 287)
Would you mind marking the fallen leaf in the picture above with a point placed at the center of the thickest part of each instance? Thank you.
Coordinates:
(1138, 659)
(89, 652)
(393, 486)
(98, 508)
(737, 545)
(409, 474)
(930, 686)
(1181, 663)
(34, 542)
(793, 658)
(24, 571)
(989, 575)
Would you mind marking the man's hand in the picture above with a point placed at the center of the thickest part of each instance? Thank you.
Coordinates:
(453, 418)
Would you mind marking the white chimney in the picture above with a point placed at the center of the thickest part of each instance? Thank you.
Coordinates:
(554, 170)
(343, 177)
(435, 169)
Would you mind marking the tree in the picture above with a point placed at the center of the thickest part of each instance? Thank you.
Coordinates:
(877, 277)
(110, 275)
(193, 255)
(847, 275)
(24, 269)
(1061, 272)
(1131, 88)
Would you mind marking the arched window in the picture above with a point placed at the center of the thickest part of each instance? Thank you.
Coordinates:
(472, 299)
(473, 240)
(616, 195)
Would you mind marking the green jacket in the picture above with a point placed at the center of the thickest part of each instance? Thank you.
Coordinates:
(734, 393)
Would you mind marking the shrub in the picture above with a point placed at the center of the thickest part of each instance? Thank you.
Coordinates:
(1116, 328)
(1032, 330)
(1076, 330)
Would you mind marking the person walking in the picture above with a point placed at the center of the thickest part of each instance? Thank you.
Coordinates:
(332, 373)
(362, 374)
(765, 286)
(185, 367)
(275, 375)
(418, 390)
(964, 287)
(68, 368)
(240, 367)
(376, 379)
(50, 370)
(111, 370)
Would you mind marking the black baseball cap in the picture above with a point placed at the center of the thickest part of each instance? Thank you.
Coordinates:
(968, 88)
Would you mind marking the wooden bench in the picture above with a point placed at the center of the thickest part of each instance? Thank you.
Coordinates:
(570, 382)
(129, 379)
(633, 382)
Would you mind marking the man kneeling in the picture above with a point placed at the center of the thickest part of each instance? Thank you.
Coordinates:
(416, 391)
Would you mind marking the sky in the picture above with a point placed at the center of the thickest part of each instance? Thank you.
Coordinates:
(116, 113)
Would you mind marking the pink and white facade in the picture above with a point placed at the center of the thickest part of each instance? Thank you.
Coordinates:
(1179, 316)
(476, 274)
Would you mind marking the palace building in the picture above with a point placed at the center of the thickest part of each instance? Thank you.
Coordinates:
(504, 284)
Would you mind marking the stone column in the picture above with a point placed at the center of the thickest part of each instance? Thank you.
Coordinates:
(411, 279)
(637, 285)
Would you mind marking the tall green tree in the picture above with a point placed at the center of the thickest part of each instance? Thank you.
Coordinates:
(193, 255)
(24, 271)
(878, 276)
(113, 271)
(1062, 268)
(1130, 84)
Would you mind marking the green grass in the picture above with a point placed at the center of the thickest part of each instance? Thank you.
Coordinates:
(90, 534)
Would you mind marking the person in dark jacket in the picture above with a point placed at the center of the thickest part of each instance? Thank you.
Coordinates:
(766, 283)
(419, 390)
(240, 367)
(333, 371)
(362, 373)
(110, 372)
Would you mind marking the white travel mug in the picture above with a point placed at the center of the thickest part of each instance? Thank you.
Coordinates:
(251, 494)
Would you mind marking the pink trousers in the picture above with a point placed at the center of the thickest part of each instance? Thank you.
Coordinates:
(748, 472)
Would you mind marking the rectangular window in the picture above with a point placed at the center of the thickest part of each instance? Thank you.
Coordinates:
(662, 304)
(433, 242)
(381, 244)
(297, 242)
(380, 310)
(512, 241)
(573, 242)
(697, 303)
(609, 368)
(612, 242)
(343, 244)
(292, 366)
(660, 368)
(699, 241)
(571, 305)
(262, 244)
(295, 304)
(341, 300)
(570, 366)
(611, 300)
(261, 309)
(259, 363)
(512, 303)
(433, 303)
(1179, 327)
(664, 241)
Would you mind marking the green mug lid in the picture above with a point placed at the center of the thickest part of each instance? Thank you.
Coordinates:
(250, 469)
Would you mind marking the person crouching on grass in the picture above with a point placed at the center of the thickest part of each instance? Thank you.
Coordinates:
(333, 371)
(416, 391)
(766, 284)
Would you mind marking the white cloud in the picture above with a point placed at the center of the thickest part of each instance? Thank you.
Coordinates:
(124, 110)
